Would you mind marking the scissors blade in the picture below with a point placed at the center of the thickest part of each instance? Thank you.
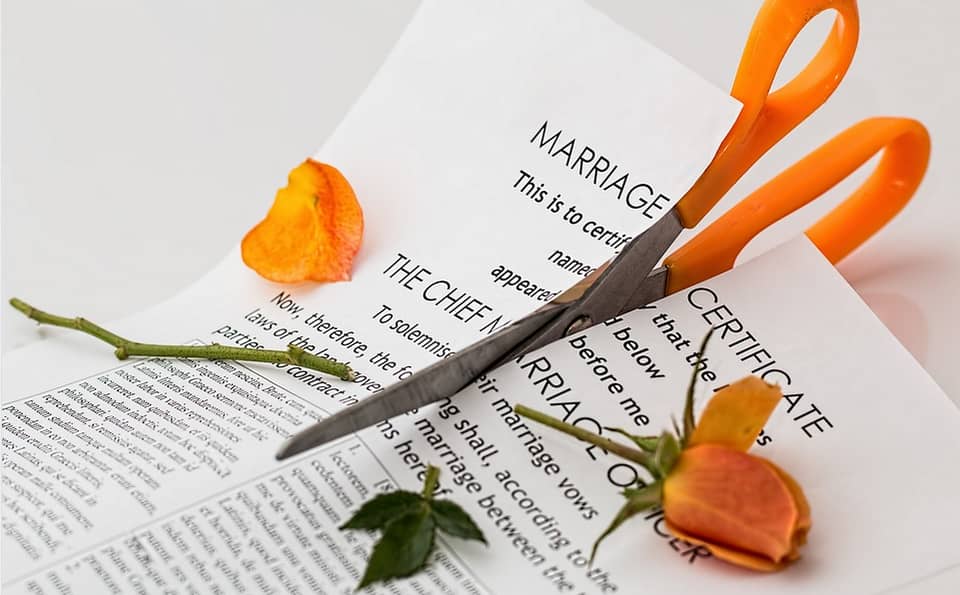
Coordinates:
(621, 287)
(438, 381)
(652, 288)
(615, 291)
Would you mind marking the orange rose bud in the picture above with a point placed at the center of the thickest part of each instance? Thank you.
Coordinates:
(737, 505)
(741, 507)
(312, 231)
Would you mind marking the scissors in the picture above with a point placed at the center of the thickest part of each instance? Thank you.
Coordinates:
(630, 280)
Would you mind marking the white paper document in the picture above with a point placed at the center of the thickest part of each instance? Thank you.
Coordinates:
(502, 152)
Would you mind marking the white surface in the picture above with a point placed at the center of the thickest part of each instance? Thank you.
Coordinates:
(142, 139)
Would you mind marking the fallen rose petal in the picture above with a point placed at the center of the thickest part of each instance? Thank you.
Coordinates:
(312, 231)
(283, 247)
(733, 500)
(736, 414)
(340, 213)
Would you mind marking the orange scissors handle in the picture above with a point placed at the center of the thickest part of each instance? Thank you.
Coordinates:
(906, 151)
(767, 117)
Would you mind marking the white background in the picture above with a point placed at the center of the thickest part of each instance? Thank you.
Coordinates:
(142, 139)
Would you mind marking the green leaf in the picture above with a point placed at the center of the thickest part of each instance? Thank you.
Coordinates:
(409, 522)
(646, 443)
(379, 512)
(638, 500)
(453, 520)
(404, 548)
(667, 453)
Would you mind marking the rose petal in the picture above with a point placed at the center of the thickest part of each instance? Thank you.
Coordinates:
(340, 215)
(804, 520)
(735, 415)
(313, 230)
(738, 557)
(732, 499)
(283, 247)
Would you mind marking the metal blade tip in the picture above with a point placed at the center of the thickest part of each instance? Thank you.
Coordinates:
(297, 444)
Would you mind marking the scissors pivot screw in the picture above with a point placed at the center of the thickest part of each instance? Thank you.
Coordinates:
(579, 323)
